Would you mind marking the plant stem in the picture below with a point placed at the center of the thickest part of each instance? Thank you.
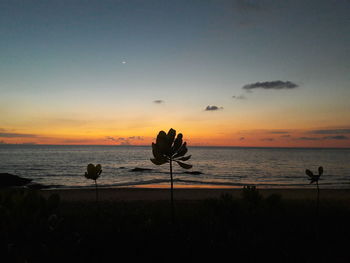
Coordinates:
(171, 190)
(96, 190)
(318, 197)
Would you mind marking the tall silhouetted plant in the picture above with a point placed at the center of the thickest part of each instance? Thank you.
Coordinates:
(314, 179)
(167, 149)
(93, 173)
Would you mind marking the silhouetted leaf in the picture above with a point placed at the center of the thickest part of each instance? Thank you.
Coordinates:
(184, 165)
(186, 158)
(309, 173)
(182, 151)
(156, 151)
(177, 143)
(162, 142)
(320, 170)
(98, 169)
(159, 161)
(170, 137)
(90, 168)
(161, 137)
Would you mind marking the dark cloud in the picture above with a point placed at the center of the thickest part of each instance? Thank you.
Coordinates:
(308, 139)
(278, 132)
(158, 101)
(331, 131)
(239, 97)
(268, 139)
(274, 85)
(213, 108)
(242, 139)
(16, 135)
(336, 137)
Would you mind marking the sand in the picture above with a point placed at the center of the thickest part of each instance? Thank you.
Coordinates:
(153, 194)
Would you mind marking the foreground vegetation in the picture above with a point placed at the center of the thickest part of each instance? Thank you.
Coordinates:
(34, 229)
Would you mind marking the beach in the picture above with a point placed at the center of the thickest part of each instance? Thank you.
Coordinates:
(214, 223)
(190, 194)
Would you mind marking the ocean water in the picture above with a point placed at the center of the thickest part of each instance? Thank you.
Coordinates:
(64, 166)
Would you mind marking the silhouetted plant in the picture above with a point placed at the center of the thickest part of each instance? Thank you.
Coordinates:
(314, 179)
(93, 173)
(169, 149)
(251, 195)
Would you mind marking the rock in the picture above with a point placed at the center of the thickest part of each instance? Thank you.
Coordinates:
(137, 169)
(9, 180)
(193, 172)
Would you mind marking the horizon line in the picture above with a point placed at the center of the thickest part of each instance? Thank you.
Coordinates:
(146, 145)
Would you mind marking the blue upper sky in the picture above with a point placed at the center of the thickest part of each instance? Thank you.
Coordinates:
(120, 56)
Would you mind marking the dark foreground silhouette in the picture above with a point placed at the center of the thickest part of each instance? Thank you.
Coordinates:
(248, 228)
(170, 148)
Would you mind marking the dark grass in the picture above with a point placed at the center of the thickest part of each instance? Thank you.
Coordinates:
(250, 228)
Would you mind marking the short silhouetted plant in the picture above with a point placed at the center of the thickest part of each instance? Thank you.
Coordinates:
(251, 195)
(169, 149)
(93, 173)
(314, 179)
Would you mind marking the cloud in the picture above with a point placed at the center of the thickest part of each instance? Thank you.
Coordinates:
(16, 135)
(158, 101)
(330, 131)
(213, 108)
(336, 137)
(239, 97)
(278, 132)
(139, 138)
(286, 136)
(267, 139)
(242, 139)
(76, 141)
(308, 139)
(125, 140)
(274, 85)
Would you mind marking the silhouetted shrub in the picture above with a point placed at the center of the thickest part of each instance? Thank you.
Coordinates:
(167, 149)
(93, 173)
(251, 195)
(26, 219)
(314, 179)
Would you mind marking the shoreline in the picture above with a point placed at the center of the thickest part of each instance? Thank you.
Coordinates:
(125, 194)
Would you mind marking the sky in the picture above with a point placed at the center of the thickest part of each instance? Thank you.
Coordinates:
(222, 72)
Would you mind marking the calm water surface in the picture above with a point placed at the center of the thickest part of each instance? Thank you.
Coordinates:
(64, 166)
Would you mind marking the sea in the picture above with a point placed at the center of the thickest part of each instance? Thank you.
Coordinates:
(62, 166)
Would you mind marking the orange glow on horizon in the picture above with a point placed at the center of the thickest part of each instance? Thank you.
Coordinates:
(252, 138)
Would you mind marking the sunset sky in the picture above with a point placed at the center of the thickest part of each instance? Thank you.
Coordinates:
(230, 73)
